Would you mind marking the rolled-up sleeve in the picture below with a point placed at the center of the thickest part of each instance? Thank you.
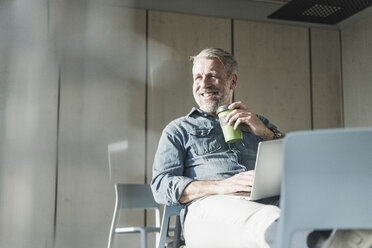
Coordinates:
(168, 181)
(269, 124)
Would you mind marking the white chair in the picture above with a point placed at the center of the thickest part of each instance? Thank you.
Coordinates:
(327, 182)
(134, 196)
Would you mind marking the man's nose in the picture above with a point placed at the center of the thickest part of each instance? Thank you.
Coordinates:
(205, 82)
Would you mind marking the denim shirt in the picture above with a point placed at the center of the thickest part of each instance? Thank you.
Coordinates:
(193, 148)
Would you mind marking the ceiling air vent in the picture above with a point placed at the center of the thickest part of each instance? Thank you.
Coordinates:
(320, 11)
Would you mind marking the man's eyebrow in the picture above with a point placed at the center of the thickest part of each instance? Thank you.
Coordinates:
(210, 72)
(213, 71)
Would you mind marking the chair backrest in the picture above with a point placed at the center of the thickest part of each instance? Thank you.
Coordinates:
(135, 196)
(327, 181)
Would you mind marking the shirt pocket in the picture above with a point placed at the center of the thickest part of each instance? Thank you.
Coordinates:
(204, 141)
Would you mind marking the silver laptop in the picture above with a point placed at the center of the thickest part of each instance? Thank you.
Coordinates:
(268, 175)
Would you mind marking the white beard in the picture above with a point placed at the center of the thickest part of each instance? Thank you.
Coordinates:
(211, 105)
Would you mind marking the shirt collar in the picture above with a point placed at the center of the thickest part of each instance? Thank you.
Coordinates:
(196, 111)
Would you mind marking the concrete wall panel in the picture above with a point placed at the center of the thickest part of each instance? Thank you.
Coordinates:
(274, 72)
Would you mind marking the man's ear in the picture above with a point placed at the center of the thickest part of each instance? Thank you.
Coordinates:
(234, 81)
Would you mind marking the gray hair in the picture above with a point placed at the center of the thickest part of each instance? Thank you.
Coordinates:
(226, 58)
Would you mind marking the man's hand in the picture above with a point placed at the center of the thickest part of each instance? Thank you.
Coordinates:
(241, 182)
(240, 114)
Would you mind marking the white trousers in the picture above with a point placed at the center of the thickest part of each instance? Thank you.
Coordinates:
(228, 222)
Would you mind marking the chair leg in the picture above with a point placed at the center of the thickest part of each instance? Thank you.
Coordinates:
(177, 233)
(112, 232)
(110, 241)
(143, 238)
(163, 231)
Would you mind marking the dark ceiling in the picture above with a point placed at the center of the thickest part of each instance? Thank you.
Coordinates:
(296, 12)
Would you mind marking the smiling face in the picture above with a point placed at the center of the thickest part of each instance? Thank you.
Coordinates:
(211, 86)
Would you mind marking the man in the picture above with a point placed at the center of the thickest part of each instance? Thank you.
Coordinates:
(195, 167)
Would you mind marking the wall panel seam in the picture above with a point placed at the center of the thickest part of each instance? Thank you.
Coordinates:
(146, 99)
(57, 156)
(311, 82)
(342, 103)
(146, 89)
(232, 47)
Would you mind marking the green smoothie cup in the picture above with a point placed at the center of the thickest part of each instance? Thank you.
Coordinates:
(230, 135)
